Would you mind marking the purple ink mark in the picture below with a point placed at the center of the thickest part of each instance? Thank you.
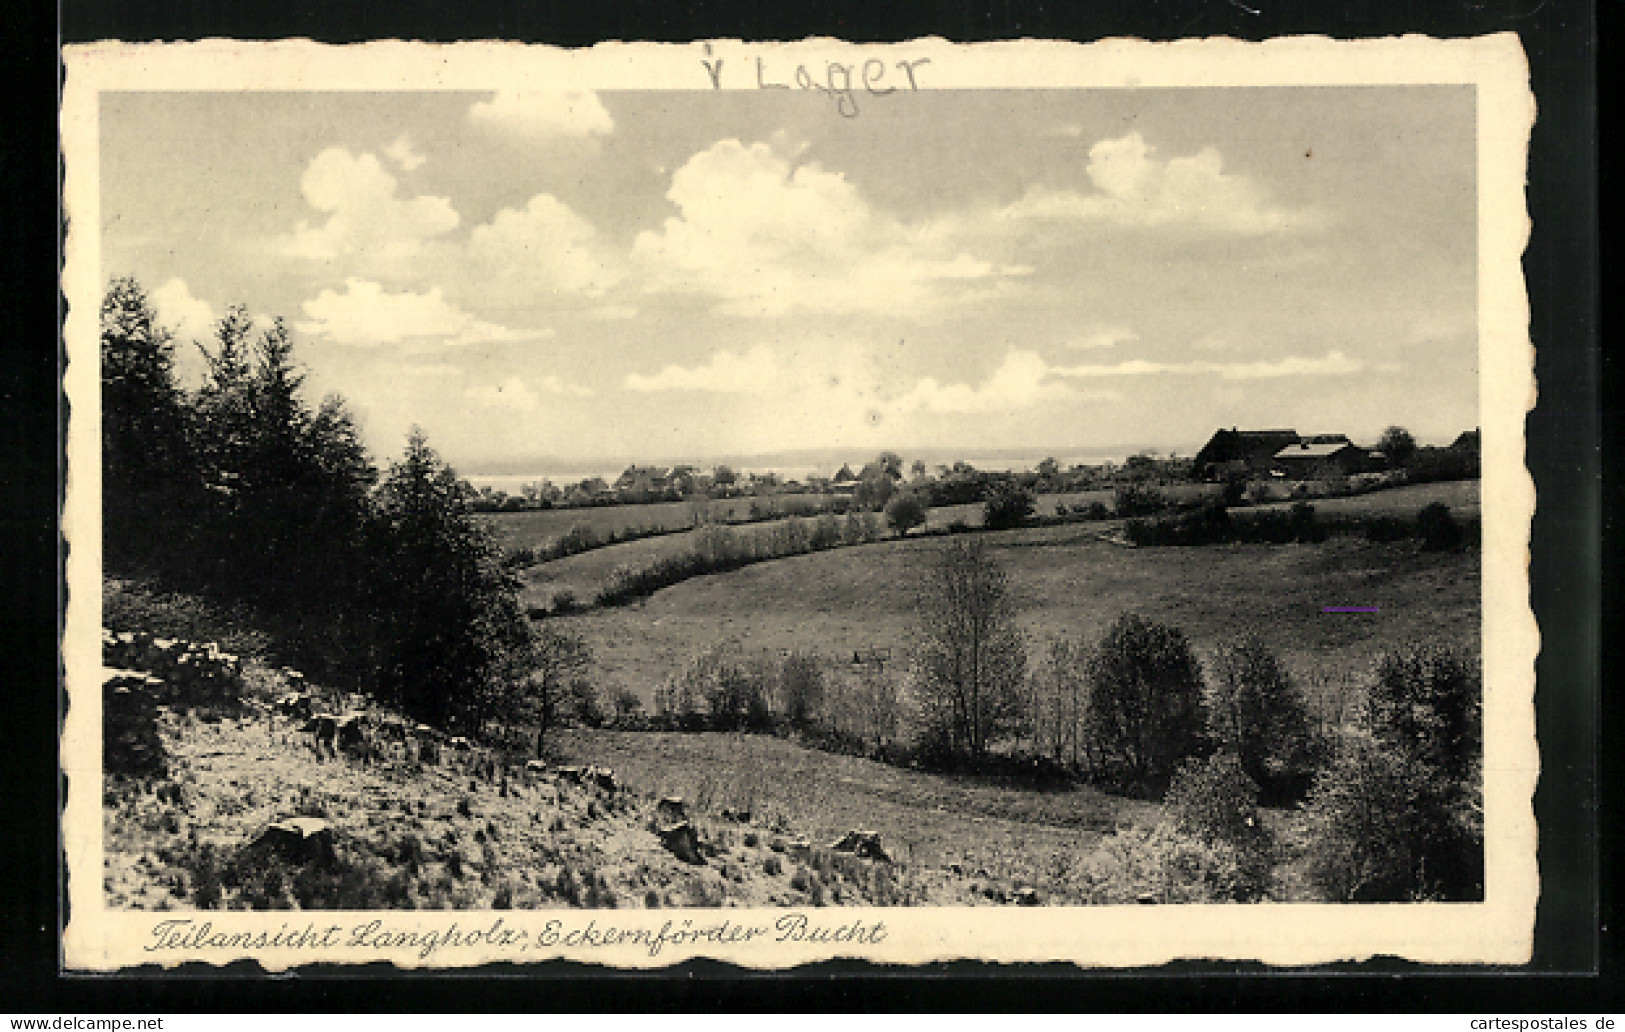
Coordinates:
(1348, 609)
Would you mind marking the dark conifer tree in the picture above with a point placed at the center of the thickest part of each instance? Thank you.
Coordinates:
(148, 472)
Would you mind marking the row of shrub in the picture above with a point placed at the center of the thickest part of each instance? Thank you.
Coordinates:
(720, 549)
(579, 538)
(1434, 526)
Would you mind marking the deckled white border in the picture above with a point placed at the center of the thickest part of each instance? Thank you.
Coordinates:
(1499, 930)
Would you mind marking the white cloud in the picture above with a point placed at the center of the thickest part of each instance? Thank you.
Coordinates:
(544, 115)
(542, 248)
(1333, 363)
(727, 373)
(365, 217)
(1133, 188)
(187, 317)
(767, 236)
(366, 315)
(402, 153)
(1021, 381)
(1103, 337)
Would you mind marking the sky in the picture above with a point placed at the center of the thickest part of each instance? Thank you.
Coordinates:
(683, 275)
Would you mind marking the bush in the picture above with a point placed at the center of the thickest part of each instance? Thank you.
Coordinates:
(1216, 801)
(1214, 798)
(801, 689)
(1399, 815)
(1255, 713)
(905, 511)
(1158, 863)
(1139, 500)
(1008, 505)
(1438, 529)
(1305, 529)
(1427, 700)
(1145, 700)
(1380, 834)
(716, 692)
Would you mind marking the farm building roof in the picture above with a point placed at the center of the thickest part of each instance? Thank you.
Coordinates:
(1319, 450)
(1232, 444)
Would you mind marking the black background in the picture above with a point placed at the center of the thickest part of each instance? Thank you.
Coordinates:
(1575, 969)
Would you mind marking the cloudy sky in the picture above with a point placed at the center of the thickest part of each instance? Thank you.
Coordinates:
(694, 274)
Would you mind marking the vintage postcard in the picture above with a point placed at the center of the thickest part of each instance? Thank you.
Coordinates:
(781, 502)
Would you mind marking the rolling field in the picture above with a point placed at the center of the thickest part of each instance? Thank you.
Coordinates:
(538, 527)
(1462, 496)
(926, 820)
(1066, 582)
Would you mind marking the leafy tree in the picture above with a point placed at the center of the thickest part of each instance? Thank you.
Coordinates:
(801, 689)
(455, 639)
(1048, 469)
(1367, 826)
(1008, 505)
(1216, 801)
(1439, 530)
(1427, 701)
(1397, 444)
(1145, 699)
(918, 471)
(1060, 704)
(1254, 712)
(556, 661)
(905, 511)
(972, 661)
(1399, 814)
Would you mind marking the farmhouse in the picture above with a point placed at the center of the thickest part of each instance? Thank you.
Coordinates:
(1236, 451)
(1327, 455)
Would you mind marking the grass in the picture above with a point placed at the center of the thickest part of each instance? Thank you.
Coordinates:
(924, 819)
(1403, 502)
(1066, 582)
(533, 529)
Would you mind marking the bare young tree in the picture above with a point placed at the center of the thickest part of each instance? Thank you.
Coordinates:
(972, 663)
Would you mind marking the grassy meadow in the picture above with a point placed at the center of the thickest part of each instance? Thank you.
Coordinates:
(927, 820)
(1066, 582)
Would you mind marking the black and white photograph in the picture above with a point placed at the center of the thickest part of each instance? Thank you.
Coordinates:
(798, 500)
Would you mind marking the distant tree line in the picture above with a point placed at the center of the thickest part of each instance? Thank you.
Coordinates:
(241, 492)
